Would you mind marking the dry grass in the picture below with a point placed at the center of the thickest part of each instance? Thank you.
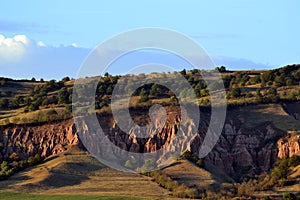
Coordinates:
(77, 172)
(255, 115)
(19, 117)
(190, 175)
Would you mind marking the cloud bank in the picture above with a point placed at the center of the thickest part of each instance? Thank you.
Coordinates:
(22, 57)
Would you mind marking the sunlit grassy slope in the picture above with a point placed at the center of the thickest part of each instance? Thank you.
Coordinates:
(77, 173)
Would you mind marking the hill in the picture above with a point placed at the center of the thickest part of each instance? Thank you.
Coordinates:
(261, 128)
(31, 101)
(75, 172)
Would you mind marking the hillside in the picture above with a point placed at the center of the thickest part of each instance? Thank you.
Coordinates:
(31, 101)
(75, 172)
(261, 129)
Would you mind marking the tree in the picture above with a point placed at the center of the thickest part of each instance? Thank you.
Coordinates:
(33, 107)
(3, 82)
(226, 81)
(33, 79)
(183, 72)
(272, 95)
(4, 103)
(272, 91)
(65, 79)
(45, 102)
(4, 166)
(27, 101)
(143, 95)
(221, 69)
(69, 108)
(16, 101)
(289, 82)
(149, 165)
(235, 92)
(289, 196)
(63, 96)
(258, 96)
(155, 90)
(198, 89)
(266, 77)
(128, 164)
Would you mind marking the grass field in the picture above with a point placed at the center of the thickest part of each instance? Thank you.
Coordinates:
(208, 178)
(255, 115)
(18, 196)
(77, 173)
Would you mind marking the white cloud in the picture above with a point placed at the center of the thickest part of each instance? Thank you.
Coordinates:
(1, 38)
(22, 38)
(41, 44)
(13, 49)
(74, 45)
(22, 57)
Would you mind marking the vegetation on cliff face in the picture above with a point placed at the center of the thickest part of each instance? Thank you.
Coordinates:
(277, 177)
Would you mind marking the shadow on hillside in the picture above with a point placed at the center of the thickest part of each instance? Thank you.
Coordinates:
(57, 180)
(65, 174)
(70, 174)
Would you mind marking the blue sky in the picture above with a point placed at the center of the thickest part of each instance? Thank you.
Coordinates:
(51, 40)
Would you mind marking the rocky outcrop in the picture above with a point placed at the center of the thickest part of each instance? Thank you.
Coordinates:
(244, 152)
(46, 139)
(289, 145)
(240, 151)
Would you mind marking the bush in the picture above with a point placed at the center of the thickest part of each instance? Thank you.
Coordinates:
(143, 96)
(4, 103)
(69, 108)
(289, 196)
(192, 158)
(177, 190)
(7, 169)
(294, 161)
(235, 92)
(33, 107)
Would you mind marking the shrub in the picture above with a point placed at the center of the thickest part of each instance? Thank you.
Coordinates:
(143, 96)
(192, 158)
(235, 92)
(4, 103)
(128, 164)
(69, 108)
(294, 161)
(289, 196)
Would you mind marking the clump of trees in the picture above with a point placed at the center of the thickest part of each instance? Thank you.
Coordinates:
(277, 177)
(271, 96)
(177, 189)
(234, 82)
(192, 158)
(14, 165)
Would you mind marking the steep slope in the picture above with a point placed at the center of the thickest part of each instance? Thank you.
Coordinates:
(45, 139)
(246, 146)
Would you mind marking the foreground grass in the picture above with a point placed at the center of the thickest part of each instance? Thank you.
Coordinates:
(18, 196)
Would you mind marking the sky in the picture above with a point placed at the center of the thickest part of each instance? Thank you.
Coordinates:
(52, 39)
